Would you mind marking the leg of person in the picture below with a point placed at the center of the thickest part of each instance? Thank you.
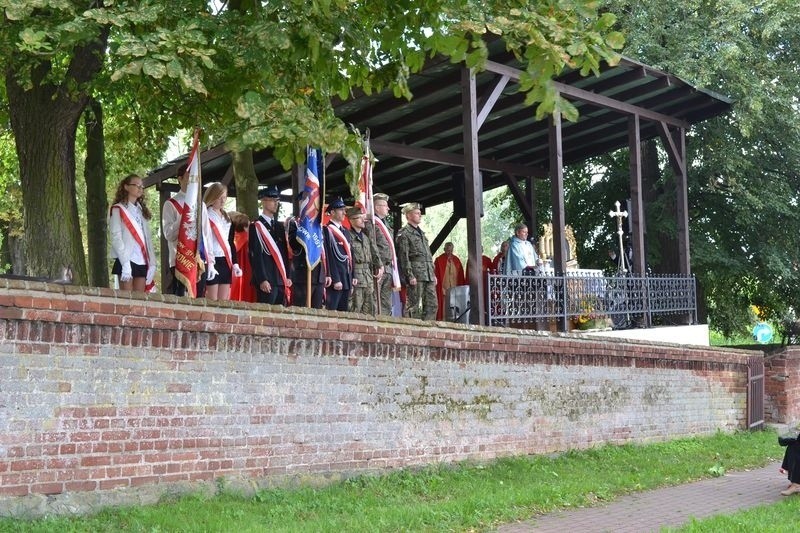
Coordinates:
(368, 305)
(791, 463)
(356, 300)
(332, 299)
(429, 301)
(344, 301)
(299, 293)
(414, 300)
(385, 294)
(317, 291)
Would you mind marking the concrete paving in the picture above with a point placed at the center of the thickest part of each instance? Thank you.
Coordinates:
(667, 507)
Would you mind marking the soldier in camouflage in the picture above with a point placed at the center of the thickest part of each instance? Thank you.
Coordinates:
(416, 266)
(381, 236)
(365, 263)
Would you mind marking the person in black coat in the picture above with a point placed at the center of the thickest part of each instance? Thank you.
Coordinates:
(791, 463)
(300, 271)
(339, 258)
(268, 251)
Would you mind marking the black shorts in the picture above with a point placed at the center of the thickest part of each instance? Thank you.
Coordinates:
(138, 271)
(224, 273)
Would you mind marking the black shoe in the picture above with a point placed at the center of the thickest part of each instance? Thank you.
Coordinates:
(786, 441)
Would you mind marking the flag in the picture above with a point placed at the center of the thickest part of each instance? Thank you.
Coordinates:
(364, 200)
(187, 256)
(309, 229)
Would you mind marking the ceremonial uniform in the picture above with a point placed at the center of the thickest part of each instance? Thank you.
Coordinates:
(366, 262)
(384, 248)
(171, 215)
(336, 239)
(300, 273)
(416, 262)
(269, 254)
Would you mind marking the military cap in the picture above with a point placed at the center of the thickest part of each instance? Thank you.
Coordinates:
(336, 203)
(269, 192)
(410, 207)
(380, 196)
(353, 212)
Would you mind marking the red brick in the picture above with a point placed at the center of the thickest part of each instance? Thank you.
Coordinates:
(47, 488)
(96, 460)
(13, 490)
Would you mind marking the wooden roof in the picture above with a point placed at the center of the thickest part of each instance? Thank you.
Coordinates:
(419, 143)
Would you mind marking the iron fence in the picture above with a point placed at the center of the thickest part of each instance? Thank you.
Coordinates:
(623, 300)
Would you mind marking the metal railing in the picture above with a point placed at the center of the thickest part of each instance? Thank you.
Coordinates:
(627, 300)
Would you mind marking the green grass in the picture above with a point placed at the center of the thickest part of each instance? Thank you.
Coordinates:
(777, 518)
(443, 498)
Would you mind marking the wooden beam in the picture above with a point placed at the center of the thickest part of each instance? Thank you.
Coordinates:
(446, 158)
(443, 233)
(519, 197)
(171, 168)
(682, 191)
(487, 103)
(530, 194)
(473, 192)
(597, 99)
(676, 158)
(557, 195)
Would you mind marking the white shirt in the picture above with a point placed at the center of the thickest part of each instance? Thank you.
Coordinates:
(224, 227)
(124, 245)
(171, 224)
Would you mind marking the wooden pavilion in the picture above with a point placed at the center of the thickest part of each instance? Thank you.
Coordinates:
(466, 132)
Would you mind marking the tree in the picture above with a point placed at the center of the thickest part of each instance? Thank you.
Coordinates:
(263, 74)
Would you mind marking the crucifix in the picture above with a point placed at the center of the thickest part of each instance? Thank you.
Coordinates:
(619, 215)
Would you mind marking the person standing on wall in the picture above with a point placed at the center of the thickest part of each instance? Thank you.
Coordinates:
(171, 224)
(131, 243)
(416, 266)
(339, 258)
(366, 265)
(268, 252)
(384, 243)
(221, 247)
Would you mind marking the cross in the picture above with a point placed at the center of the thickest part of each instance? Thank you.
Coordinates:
(619, 215)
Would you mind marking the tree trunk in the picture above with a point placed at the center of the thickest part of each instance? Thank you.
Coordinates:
(244, 174)
(661, 212)
(96, 198)
(44, 119)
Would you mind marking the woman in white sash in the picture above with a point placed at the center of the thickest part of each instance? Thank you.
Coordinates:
(221, 247)
(131, 242)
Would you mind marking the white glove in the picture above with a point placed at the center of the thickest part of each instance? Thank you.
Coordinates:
(211, 273)
(126, 275)
(237, 272)
(151, 274)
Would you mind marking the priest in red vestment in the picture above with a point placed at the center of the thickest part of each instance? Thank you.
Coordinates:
(449, 273)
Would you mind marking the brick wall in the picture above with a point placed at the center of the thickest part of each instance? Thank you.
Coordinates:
(782, 386)
(104, 390)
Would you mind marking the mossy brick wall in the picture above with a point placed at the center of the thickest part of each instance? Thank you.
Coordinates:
(782, 386)
(103, 390)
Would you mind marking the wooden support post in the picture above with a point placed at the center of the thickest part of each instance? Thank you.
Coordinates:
(557, 195)
(473, 189)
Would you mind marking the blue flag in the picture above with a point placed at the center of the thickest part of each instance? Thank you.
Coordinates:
(309, 228)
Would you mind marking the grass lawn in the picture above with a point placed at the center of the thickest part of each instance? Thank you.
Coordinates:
(463, 497)
(778, 518)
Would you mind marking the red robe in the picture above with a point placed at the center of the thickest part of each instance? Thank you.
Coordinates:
(241, 288)
(439, 269)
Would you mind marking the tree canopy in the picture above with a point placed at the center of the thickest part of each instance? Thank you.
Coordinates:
(256, 73)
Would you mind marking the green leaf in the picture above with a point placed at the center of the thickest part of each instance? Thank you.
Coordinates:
(154, 69)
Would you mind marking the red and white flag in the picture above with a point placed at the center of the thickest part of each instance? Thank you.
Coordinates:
(187, 257)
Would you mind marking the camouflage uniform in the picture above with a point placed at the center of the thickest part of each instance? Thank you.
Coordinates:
(415, 261)
(385, 255)
(365, 263)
